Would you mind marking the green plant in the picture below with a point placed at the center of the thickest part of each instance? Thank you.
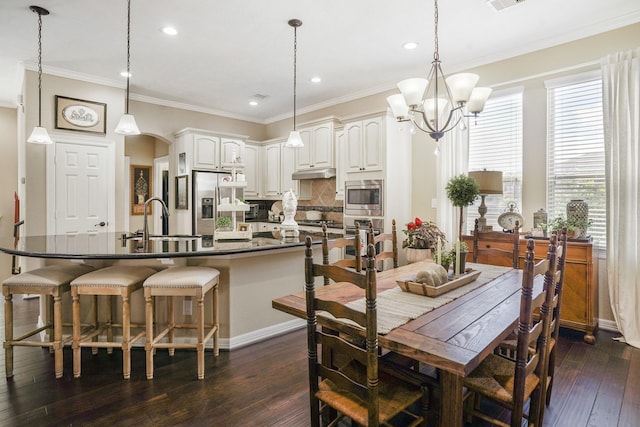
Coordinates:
(572, 224)
(223, 222)
(422, 235)
(445, 259)
(463, 253)
(462, 190)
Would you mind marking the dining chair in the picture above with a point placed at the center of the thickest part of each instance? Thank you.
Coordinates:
(495, 255)
(511, 383)
(352, 385)
(386, 245)
(343, 244)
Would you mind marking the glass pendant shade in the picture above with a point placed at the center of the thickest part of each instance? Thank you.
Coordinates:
(478, 98)
(461, 85)
(436, 109)
(39, 136)
(399, 108)
(413, 90)
(294, 140)
(127, 125)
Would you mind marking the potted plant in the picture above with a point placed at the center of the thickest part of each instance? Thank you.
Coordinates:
(576, 228)
(463, 257)
(223, 223)
(445, 259)
(462, 190)
(422, 239)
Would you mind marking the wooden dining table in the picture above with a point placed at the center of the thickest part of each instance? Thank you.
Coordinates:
(454, 338)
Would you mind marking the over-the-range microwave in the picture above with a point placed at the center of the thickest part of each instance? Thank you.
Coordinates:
(364, 198)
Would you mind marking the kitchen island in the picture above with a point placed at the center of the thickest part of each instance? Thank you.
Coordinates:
(252, 273)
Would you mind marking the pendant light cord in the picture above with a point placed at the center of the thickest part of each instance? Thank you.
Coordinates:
(126, 108)
(436, 55)
(39, 69)
(295, 76)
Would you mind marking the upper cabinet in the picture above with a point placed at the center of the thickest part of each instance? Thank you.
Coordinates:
(318, 150)
(206, 150)
(252, 159)
(279, 165)
(341, 170)
(364, 145)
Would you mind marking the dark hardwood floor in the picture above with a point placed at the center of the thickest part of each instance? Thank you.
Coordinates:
(266, 385)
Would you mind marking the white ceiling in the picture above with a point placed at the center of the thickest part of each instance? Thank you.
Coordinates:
(228, 51)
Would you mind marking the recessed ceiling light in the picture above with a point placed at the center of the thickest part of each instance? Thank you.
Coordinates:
(125, 74)
(316, 79)
(410, 45)
(253, 103)
(170, 31)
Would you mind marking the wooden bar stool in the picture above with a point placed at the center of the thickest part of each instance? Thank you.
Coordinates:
(52, 282)
(111, 281)
(182, 282)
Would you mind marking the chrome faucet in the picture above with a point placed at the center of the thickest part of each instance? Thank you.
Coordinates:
(145, 230)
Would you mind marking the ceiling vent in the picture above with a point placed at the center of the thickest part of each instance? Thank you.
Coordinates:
(503, 4)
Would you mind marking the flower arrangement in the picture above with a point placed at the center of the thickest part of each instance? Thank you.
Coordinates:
(422, 235)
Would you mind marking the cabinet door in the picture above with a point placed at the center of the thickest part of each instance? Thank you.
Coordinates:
(288, 165)
(230, 148)
(252, 171)
(322, 154)
(353, 145)
(272, 170)
(206, 150)
(341, 167)
(372, 144)
(304, 155)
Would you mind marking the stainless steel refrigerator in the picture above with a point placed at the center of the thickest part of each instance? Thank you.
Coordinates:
(205, 199)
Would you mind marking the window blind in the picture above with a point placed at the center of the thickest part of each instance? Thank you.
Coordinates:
(576, 166)
(495, 143)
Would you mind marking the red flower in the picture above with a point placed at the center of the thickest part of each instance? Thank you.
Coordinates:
(411, 226)
(418, 222)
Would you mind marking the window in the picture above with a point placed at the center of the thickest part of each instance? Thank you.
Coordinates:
(576, 167)
(495, 143)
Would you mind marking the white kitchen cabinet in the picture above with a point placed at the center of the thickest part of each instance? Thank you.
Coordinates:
(318, 150)
(279, 165)
(252, 159)
(364, 145)
(341, 164)
(208, 150)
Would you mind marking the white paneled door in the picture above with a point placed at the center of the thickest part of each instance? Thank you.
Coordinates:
(81, 188)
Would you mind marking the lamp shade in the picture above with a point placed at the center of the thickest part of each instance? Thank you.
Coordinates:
(295, 140)
(432, 105)
(413, 90)
(490, 182)
(478, 98)
(39, 136)
(461, 85)
(127, 125)
(399, 108)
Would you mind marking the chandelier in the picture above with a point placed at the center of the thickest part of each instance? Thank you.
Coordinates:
(39, 134)
(435, 105)
(294, 140)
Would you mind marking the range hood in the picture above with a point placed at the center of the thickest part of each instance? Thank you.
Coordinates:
(323, 173)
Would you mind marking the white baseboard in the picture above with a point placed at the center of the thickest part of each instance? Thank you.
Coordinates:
(608, 325)
(261, 334)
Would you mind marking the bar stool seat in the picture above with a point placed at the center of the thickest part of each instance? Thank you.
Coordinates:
(189, 281)
(111, 281)
(52, 282)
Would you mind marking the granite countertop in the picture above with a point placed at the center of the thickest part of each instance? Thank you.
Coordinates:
(113, 246)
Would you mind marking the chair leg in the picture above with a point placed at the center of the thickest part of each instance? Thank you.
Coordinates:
(149, 333)
(8, 333)
(200, 329)
(76, 332)
(94, 315)
(57, 335)
(109, 321)
(51, 322)
(171, 323)
(216, 322)
(126, 336)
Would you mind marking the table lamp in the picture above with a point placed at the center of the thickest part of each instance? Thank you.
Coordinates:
(490, 182)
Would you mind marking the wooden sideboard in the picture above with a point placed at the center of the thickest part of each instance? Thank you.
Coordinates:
(579, 309)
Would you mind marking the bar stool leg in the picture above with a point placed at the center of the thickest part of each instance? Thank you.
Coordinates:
(76, 332)
(8, 333)
(148, 311)
(50, 317)
(171, 323)
(57, 335)
(95, 308)
(200, 326)
(216, 324)
(110, 322)
(126, 336)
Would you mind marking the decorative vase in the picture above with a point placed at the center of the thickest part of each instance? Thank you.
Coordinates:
(578, 211)
(416, 255)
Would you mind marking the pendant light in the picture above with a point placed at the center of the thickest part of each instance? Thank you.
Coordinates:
(39, 134)
(295, 140)
(127, 124)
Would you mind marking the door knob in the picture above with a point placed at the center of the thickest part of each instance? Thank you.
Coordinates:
(100, 224)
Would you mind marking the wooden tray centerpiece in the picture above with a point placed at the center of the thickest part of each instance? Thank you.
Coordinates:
(410, 285)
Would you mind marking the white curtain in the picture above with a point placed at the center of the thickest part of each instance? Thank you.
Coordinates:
(453, 160)
(621, 104)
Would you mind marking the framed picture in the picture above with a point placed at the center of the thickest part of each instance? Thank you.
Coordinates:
(182, 164)
(243, 226)
(140, 188)
(182, 198)
(80, 115)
